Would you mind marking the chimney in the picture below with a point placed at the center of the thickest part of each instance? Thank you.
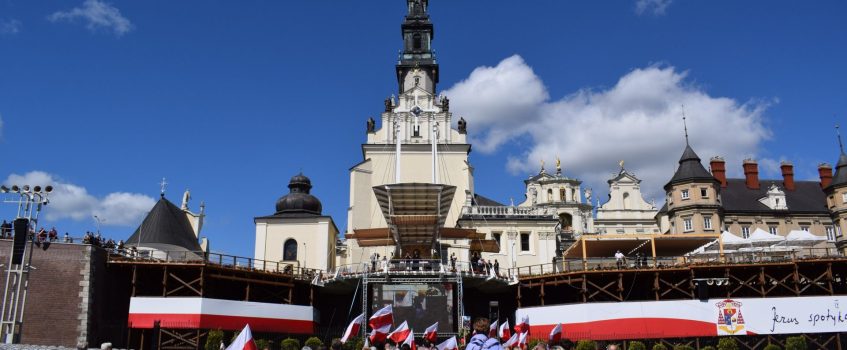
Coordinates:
(751, 173)
(718, 166)
(825, 171)
(787, 175)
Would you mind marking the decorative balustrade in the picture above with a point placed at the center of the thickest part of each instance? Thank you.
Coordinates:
(494, 210)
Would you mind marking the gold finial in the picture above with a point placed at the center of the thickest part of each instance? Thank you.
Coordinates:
(542, 166)
(558, 165)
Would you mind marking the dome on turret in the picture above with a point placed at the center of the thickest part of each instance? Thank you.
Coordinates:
(298, 200)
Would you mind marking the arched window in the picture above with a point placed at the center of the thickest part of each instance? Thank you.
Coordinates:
(289, 250)
(626, 200)
(549, 196)
(416, 41)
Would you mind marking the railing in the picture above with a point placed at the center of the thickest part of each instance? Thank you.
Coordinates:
(291, 268)
(494, 210)
(401, 267)
(603, 264)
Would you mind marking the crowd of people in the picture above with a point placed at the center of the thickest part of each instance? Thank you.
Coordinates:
(43, 235)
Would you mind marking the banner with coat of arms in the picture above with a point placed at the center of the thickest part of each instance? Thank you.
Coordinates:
(691, 318)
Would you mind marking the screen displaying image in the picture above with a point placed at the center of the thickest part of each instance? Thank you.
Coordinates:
(420, 305)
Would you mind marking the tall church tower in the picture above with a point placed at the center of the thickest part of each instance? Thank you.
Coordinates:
(412, 142)
(836, 198)
(416, 65)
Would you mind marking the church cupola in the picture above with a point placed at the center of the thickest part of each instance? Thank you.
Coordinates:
(416, 66)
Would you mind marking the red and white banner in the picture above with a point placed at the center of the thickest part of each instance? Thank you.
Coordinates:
(191, 313)
(513, 341)
(690, 318)
(382, 317)
(492, 330)
(556, 334)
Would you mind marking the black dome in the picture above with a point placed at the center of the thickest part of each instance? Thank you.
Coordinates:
(298, 200)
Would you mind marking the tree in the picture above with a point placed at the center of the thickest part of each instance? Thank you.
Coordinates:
(290, 344)
(659, 346)
(772, 347)
(636, 345)
(586, 345)
(727, 343)
(796, 343)
(314, 343)
(214, 339)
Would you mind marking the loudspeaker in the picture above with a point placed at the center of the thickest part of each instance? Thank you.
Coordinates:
(702, 291)
(21, 229)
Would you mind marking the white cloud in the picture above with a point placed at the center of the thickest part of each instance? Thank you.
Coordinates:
(654, 7)
(69, 201)
(637, 120)
(96, 15)
(10, 26)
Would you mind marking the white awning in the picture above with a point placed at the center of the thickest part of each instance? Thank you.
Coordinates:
(761, 238)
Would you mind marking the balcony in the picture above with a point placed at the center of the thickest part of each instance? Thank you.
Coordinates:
(508, 211)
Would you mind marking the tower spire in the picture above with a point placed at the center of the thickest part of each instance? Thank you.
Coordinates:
(684, 125)
(416, 66)
(840, 144)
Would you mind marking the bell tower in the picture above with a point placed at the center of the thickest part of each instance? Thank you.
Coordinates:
(416, 65)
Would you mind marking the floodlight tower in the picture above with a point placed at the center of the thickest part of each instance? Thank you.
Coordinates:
(30, 202)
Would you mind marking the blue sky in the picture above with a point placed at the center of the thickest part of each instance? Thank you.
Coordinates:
(230, 99)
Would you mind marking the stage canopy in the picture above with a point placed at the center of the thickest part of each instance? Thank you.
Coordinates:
(414, 211)
(605, 245)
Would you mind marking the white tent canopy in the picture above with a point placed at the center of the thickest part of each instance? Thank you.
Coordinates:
(802, 238)
(729, 241)
(762, 238)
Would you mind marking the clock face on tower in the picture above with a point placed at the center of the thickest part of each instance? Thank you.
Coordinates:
(416, 110)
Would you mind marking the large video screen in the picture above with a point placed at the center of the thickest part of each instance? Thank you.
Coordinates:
(421, 305)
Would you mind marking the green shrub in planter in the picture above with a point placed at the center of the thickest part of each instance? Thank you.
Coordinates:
(313, 343)
(214, 339)
(727, 343)
(709, 347)
(660, 346)
(290, 344)
(772, 347)
(586, 345)
(682, 347)
(636, 345)
(263, 344)
(795, 343)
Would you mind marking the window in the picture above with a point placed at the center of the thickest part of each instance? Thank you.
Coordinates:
(687, 224)
(685, 194)
(289, 250)
(772, 230)
(496, 236)
(524, 242)
(830, 233)
(704, 192)
(844, 197)
(562, 194)
(416, 41)
(745, 231)
(707, 222)
(804, 228)
(549, 196)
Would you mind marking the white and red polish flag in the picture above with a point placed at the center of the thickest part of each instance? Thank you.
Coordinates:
(504, 330)
(523, 325)
(382, 317)
(556, 334)
(449, 344)
(378, 335)
(400, 333)
(511, 342)
(431, 333)
(410, 340)
(353, 328)
(244, 341)
(522, 339)
(492, 329)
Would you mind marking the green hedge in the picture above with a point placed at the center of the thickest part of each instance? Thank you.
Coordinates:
(586, 345)
(726, 343)
(660, 346)
(772, 347)
(214, 339)
(290, 344)
(796, 343)
(637, 345)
